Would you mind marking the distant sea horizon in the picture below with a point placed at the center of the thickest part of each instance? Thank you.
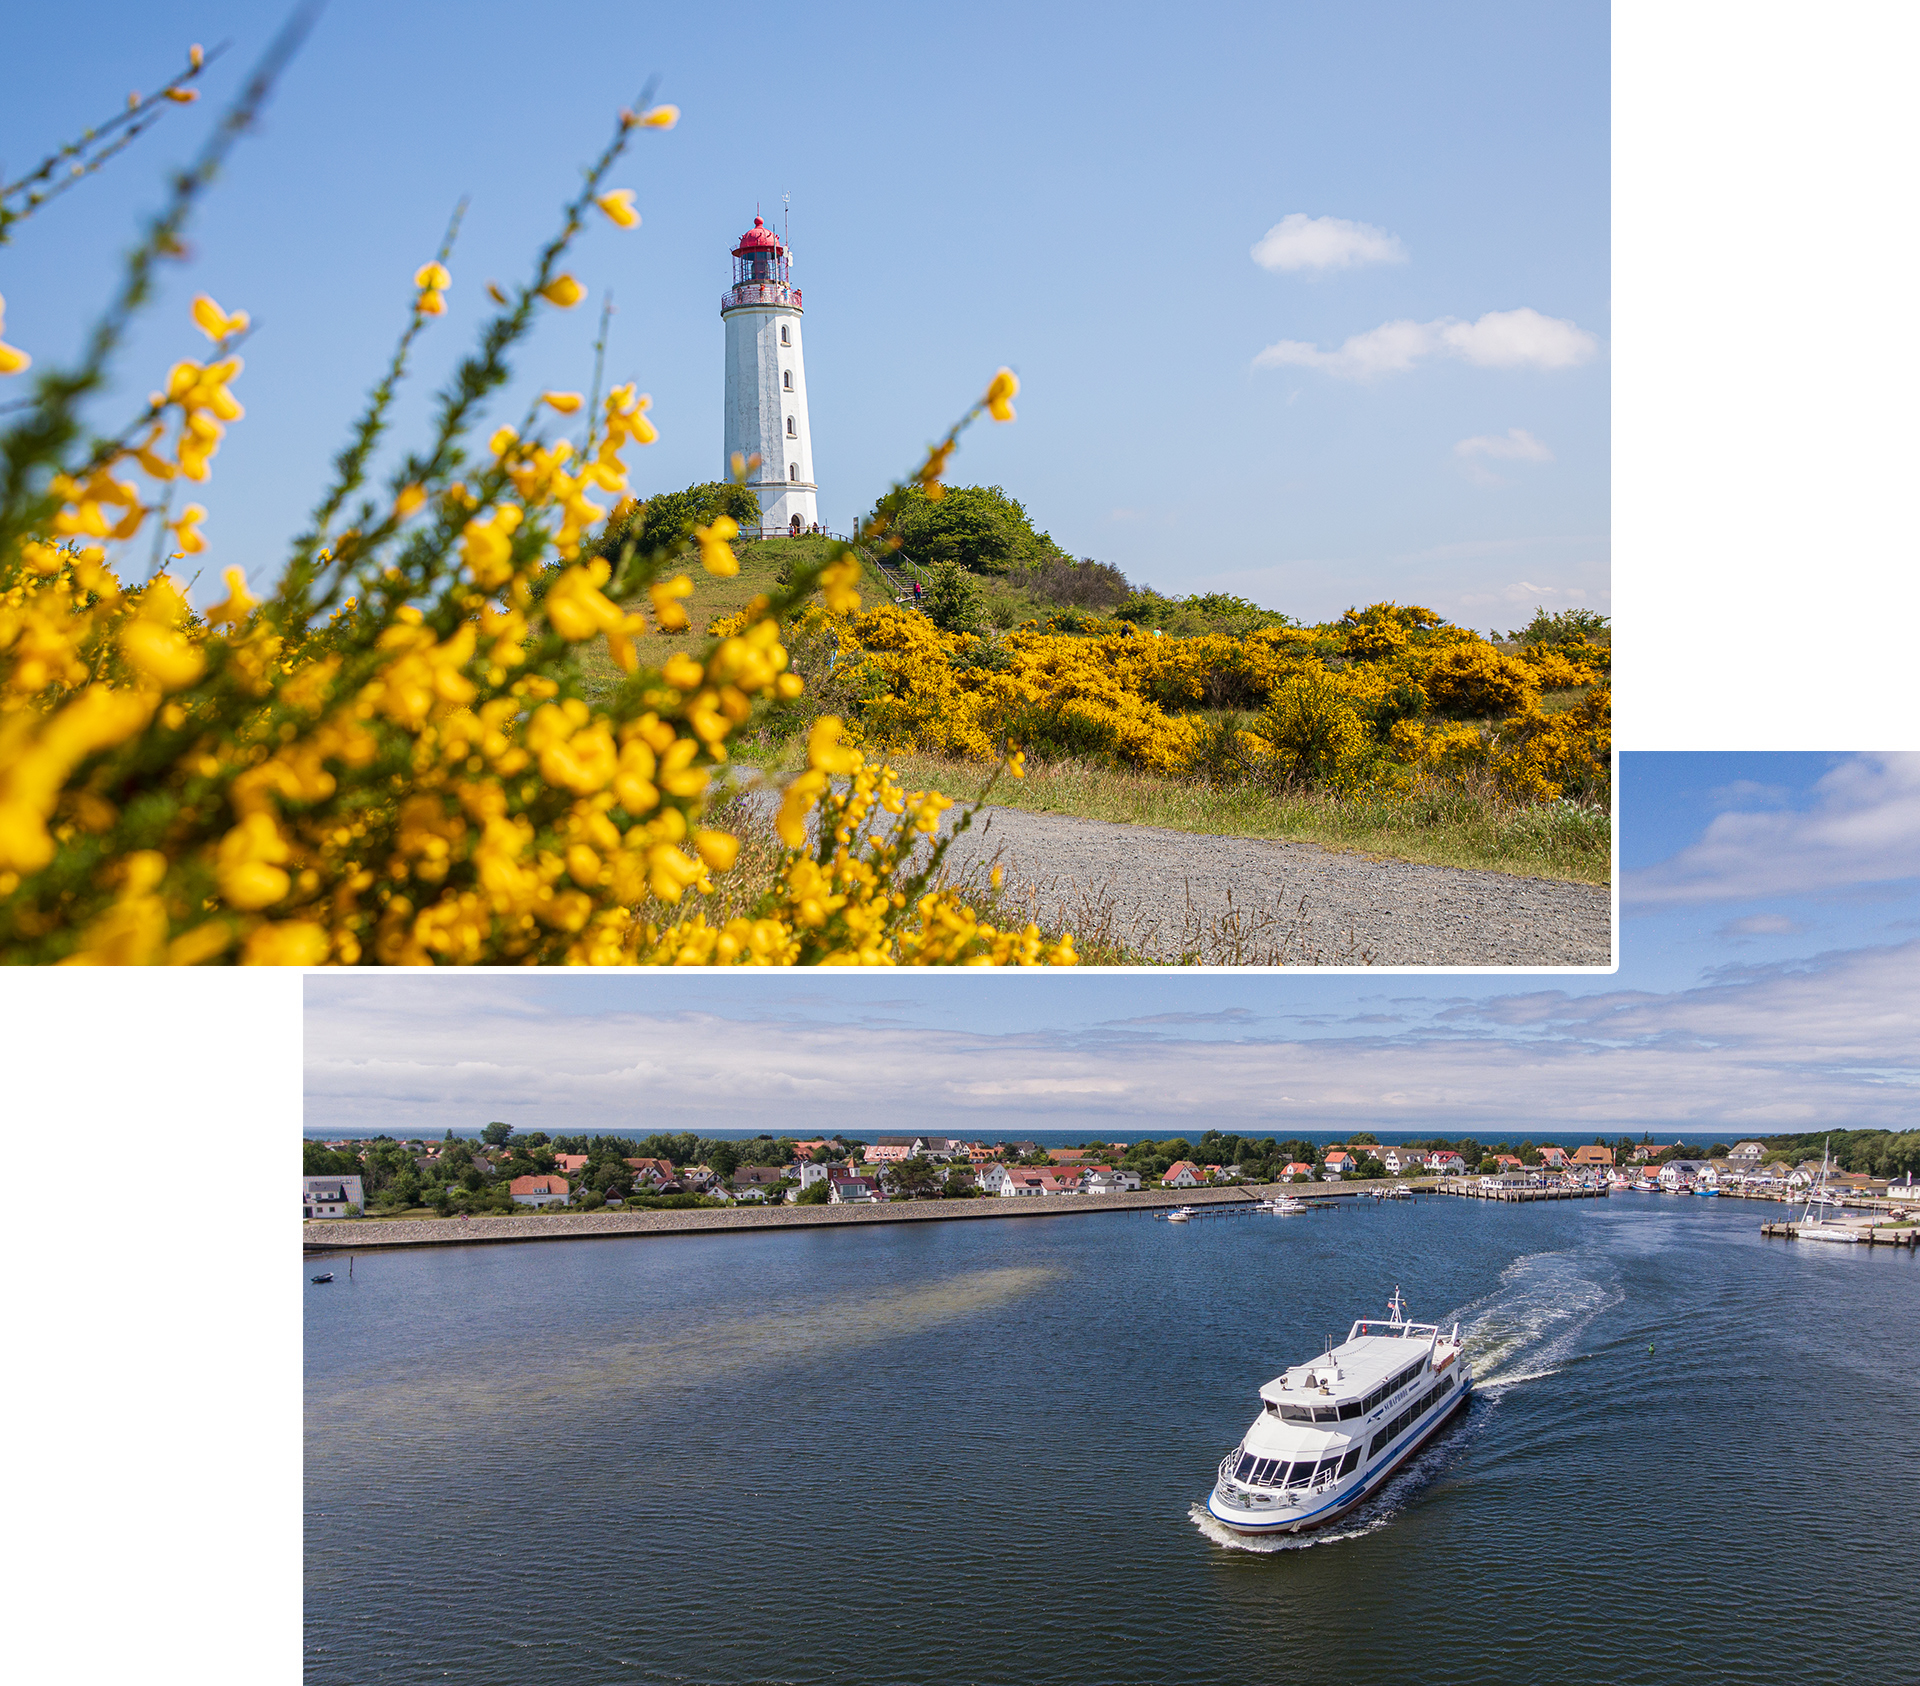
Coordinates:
(1063, 1138)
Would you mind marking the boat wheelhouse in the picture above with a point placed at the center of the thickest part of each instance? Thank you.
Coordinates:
(1331, 1431)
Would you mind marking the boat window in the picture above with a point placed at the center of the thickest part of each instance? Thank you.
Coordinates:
(1381, 1439)
(1351, 1408)
(1301, 1473)
(1247, 1461)
(1326, 1414)
(1296, 1413)
(1350, 1460)
(1327, 1466)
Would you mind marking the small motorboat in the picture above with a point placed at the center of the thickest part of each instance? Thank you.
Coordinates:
(1285, 1206)
(324, 1276)
(1183, 1215)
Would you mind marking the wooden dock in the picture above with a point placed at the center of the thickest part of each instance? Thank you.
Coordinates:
(1868, 1237)
(1523, 1191)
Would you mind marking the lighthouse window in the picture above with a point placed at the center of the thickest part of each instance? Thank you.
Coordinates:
(792, 432)
(793, 471)
(786, 379)
(784, 340)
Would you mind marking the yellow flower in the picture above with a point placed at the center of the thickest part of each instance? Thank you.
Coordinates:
(214, 322)
(719, 849)
(618, 205)
(565, 402)
(237, 604)
(430, 303)
(293, 942)
(660, 117)
(187, 529)
(183, 96)
(564, 291)
(161, 654)
(715, 557)
(196, 55)
(410, 498)
(1000, 393)
(12, 358)
(434, 276)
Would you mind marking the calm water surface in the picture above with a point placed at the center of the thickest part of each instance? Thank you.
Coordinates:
(977, 1452)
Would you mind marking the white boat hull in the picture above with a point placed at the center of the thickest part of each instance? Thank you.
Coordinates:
(1336, 1501)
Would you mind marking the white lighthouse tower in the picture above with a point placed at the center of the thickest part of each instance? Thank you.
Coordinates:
(767, 381)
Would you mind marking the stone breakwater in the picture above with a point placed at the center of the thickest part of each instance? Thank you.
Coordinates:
(365, 1234)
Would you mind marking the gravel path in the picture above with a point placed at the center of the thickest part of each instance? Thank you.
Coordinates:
(1180, 896)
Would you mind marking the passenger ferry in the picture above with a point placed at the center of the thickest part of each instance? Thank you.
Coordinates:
(1331, 1431)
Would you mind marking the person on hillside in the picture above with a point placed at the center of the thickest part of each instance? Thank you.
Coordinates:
(916, 593)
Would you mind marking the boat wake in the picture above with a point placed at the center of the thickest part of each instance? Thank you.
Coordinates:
(1530, 1325)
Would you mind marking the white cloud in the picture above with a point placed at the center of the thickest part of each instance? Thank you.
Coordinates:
(1516, 445)
(1303, 242)
(1501, 339)
(1761, 925)
(1863, 828)
(1784, 1045)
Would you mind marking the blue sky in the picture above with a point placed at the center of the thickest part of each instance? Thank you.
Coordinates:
(997, 183)
(1769, 950)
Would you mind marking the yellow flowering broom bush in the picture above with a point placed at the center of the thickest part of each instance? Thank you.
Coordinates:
(1369, 704)
(386, 756)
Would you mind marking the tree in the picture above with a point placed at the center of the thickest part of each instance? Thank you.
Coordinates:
(978, 527)
(319, 1160)
(1489, 1166)
(494, 1135)
(1366, 1136)
(723, 1161)
(1371, 1167)
(914, 1177)
(953, 600)
(816, 1194)
(668, 518)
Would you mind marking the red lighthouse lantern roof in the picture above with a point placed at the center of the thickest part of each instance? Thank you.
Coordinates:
(757, 239)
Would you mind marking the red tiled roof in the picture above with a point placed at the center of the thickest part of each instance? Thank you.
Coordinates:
(537, 1185)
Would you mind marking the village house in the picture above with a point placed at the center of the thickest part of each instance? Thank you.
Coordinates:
(992, 1176)
(1066, 1155)
(1102, 1181)
(1183, 1173)
(570, 1164)
(1403, 1161)
(1747, 1153)
(1339, 1160)
(1554, 1157)
(653, 1176)
(1684, 1173)
(890, 1150)
(844, 1190)
(329, 1197)
(1593, 1154)
(1447, 1163)
(809, 1174)
(1508, 1162)
(1295, 1168)
(755, 1182)
(539, 1191)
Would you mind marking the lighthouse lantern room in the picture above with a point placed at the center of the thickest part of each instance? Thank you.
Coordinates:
(767, 382)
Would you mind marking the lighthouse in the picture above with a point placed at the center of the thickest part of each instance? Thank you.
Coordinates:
(767, 381)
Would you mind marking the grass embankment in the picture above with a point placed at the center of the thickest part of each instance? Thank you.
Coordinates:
(761, 562)
(1454, 824)
(1445, 827)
